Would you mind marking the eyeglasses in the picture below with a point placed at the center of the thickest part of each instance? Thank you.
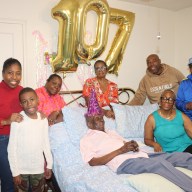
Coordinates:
(169, 100)
(103, 68)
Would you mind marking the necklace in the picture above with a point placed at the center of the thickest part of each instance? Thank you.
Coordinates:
(169, 117)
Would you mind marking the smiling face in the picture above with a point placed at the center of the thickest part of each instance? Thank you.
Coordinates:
(167, 100)
(100, 69)
(154, 64)
(29, 103)
(53, 86)
(12, 75)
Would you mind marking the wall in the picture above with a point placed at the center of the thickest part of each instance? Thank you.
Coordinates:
(183, 39)
(143, 41)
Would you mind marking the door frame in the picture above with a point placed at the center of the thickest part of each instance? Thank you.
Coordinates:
(24, 59)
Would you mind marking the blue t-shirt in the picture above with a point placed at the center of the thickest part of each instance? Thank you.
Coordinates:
(171, 134)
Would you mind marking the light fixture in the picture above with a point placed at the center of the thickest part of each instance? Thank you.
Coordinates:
(158, 24)
(159, 35)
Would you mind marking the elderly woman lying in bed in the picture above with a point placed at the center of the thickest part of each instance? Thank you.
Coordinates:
(105, 147)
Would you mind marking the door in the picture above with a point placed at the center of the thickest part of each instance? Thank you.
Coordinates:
(11, 43)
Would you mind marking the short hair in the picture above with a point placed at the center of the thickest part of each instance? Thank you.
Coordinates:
(153, 55)
(9, 62)
(26, 90)
(53, 76)
(100, 61)
(169, 90)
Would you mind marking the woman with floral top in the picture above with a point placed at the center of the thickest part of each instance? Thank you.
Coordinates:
(106, 91)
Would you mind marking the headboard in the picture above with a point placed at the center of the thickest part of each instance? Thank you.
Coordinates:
(124, 95)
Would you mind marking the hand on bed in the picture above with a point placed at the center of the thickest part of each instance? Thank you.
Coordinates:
(58, 119)
(109, 114)
(53, 117)
(48, 173)
(157, 147)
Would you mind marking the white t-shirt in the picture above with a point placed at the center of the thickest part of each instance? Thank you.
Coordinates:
(28, 141)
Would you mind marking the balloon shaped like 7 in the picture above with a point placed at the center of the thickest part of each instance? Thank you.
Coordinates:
(125, 20)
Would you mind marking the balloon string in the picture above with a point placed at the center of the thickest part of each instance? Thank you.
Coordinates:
(81, 79)
(42, 70)
(86, 71)
(41, 38)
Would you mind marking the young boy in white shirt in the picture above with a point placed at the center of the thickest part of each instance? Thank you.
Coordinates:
(29, 146)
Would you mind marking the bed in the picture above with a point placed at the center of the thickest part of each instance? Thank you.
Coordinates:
(75, 176)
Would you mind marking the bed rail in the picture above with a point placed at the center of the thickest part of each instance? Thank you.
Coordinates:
(124, 95)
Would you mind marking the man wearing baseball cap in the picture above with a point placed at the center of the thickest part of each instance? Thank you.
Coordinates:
(184, 94)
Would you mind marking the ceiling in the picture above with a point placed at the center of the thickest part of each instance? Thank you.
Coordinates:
(173, 5)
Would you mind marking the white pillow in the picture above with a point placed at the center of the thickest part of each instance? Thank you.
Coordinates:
(149, 182)
(130, 120)
(186, 171)
(76, 125)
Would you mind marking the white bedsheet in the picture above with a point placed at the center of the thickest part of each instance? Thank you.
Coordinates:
(73, 175)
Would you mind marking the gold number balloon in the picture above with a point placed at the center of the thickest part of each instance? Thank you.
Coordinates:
(125, 21)
(65, 12)
(85, 51)
(72, 48)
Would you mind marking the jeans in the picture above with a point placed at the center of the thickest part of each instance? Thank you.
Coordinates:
(5, 172)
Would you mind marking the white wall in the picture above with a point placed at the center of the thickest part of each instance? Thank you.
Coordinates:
(143, 41)
(173, 47)
(183, 39)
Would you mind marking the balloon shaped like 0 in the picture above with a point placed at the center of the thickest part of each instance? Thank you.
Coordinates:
(72, 49)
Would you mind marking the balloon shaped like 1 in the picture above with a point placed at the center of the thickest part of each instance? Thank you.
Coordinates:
(72, 49)
(125, 21)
